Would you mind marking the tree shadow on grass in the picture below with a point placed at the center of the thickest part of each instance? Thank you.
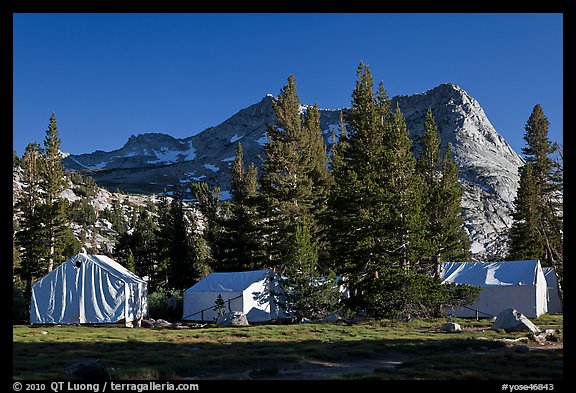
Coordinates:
(453, 358)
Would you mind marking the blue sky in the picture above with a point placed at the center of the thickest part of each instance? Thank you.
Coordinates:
(110, 76)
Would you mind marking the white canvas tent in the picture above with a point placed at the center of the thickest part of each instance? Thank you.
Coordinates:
(88, 289)
(249, 292)
(554, 302)
(512, 284)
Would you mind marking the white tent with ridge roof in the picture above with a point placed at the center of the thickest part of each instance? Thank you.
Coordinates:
(89, 289)
(520, 285)
(249, 292)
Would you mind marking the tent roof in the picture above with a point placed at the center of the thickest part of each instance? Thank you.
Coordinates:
(491, 273)
(107, 264)
(229, 281)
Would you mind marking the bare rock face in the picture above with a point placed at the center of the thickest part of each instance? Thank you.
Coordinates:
(150, 163)
(488, 166)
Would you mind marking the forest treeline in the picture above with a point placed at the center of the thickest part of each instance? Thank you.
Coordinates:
(367, 212)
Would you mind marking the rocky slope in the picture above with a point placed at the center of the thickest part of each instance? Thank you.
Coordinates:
(151, 163)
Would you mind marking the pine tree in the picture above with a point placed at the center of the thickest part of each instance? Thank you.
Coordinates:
(375, 204)
(145, 250)
(445, 234)
(316, 162)
(404, 196)
(306, 293)
(139, 250)
(214, 215)
(357, 201)
(541, 184)
(237, 176)
(525, 239)
(31, 239)
(251, 181)
(240, 244)
(118, 220)
(15, 249)
(180, 269)
(428, 163)
(163, 233)
(289, 172)
(54, 215)
(202, 260)
(251, 217)
(454, 241)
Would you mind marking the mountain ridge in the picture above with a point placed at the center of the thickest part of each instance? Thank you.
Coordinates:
(488, 166)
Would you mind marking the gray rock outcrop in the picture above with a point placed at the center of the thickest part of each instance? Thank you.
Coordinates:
(511, 320)
(232, 319)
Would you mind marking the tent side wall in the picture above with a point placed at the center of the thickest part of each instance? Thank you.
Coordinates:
(257, 301)
(494, 299)
(199, 306)
(102, 295)
(554, 302)
(54, 298)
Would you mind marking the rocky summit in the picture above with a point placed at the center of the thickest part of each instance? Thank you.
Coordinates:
(154, 162)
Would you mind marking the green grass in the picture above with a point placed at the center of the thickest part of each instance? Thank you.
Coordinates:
(43, 352)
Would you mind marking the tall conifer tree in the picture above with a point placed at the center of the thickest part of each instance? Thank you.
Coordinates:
(31, 239)
(357, 202)
(446, 237)
(540, 184)
(453, 240)
(404, 241)
(525, 239)
(288, 187)
(54, 215)
(241, 243)
(375, 204)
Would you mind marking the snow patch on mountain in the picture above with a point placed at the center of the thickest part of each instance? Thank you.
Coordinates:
(213, 168)
(263, 140)
(99, 165)
(165, 156)
(236, 138)
(191, 154)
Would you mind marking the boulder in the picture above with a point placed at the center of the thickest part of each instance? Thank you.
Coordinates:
(511, 320)
(234, 318)
(161, 323)
(332, 318)
(148, 323)
(546, 335)
(451, 327)
(90, 369)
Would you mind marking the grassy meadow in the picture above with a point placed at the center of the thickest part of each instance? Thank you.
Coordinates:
(406, 351)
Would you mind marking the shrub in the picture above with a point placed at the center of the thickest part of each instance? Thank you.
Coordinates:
(20, 305)
(312, 298)
(406, 295)
(219, 307)
(158, 305)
